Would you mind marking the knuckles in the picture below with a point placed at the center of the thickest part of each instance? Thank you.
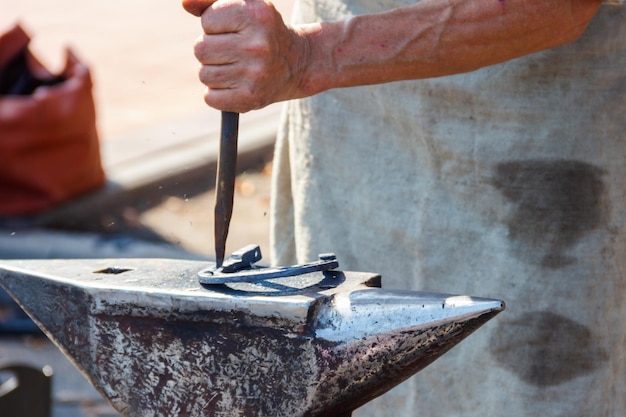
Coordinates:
(200, 49)
(260, 47)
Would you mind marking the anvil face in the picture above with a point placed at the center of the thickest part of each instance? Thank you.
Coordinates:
(155, 342)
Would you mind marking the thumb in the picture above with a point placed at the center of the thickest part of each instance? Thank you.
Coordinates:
(196, 7)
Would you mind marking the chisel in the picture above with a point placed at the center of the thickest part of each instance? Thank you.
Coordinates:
(225, 182)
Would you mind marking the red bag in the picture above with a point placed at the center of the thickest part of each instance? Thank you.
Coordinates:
(49, 148)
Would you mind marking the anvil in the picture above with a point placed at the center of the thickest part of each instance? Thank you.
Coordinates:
(155, 342)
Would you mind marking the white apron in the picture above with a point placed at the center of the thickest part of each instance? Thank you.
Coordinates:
(508, 182)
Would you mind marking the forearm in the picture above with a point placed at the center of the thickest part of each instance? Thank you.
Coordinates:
(250, 58)
(434, 38)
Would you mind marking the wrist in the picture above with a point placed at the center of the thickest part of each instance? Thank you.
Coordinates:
(318, 66)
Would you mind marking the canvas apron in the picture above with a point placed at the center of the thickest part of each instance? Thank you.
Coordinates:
(508, 182)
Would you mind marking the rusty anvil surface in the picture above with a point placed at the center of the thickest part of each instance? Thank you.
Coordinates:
(155, 342)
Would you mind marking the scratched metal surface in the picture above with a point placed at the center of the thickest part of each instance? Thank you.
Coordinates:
(156, 343)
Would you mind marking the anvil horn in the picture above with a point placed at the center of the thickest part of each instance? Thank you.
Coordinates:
(155, 342)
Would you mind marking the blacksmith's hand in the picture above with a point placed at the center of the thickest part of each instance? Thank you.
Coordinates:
(249, 57)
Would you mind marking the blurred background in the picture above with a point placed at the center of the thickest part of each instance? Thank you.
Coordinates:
(151, 118)
(140, 53)
(158, 143)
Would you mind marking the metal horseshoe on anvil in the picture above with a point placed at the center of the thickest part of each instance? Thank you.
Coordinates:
(164, 337)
